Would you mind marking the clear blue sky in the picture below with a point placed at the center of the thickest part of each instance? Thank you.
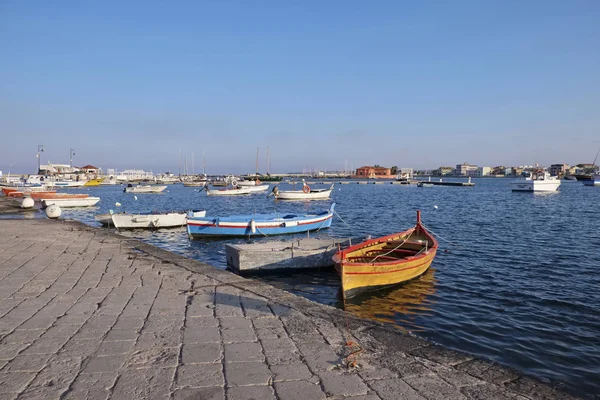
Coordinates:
(324, 84)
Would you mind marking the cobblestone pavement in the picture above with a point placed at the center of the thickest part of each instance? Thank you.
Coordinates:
(86, 314)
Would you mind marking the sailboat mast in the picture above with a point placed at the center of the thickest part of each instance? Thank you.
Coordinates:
(595, 158)
(203, 164)
(268, 155)
(257, 162)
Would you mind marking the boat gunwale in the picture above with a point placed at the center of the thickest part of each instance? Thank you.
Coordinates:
(341, 257)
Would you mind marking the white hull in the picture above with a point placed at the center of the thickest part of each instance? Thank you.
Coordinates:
(152, 221)
(145, 189)
(194, 184)
(64, 184)
(536, 186)
(229, 192)
(256, 189)
(322, 194)
(84, 202)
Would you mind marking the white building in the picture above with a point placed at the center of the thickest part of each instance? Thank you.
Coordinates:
(483, 171)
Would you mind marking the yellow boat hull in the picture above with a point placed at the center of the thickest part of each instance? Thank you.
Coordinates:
(357, 278)
(93, 182)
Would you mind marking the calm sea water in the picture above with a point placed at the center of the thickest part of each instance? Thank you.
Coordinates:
(515, 280)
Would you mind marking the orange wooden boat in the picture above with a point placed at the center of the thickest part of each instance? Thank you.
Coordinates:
(46, 195)
(32, 194)
(386, 261)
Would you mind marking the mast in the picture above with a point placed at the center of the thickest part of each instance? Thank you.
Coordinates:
(193, 166)
(268, 155)
(203, 164)
(595, 158)
(256, 175)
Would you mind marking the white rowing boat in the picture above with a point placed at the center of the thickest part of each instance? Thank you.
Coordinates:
(154, 220)
(71, 202)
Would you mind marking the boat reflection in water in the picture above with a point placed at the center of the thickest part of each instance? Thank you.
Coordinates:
(401, 305)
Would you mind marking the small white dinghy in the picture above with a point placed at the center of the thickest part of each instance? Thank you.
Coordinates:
(171, 219)
(145, 189)
(305, 194)
(71, 202)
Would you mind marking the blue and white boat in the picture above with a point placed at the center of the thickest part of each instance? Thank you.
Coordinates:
(258, 224)
(595, 181)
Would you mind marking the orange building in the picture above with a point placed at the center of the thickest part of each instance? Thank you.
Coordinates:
(373, 172)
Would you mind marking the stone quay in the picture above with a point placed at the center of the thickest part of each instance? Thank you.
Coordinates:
(89, 314)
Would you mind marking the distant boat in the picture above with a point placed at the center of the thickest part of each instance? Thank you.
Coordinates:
(593, 181)
(258, 224)
(232, 191)
(386, 261)
(71, 202)
(539, 181)
(144, 189)
(424, 184)
(305, 194)
(154, 220)
(94, 182)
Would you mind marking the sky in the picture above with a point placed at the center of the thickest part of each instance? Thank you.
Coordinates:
(326, 85)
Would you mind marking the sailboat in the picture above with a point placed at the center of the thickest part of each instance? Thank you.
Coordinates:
(589, 177)
(255, 183)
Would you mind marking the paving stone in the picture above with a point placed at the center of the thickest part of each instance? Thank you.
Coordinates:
(486, 391)
(431, 386)
(105, 363)
(8, 351)
(201, 353)
(207, 393)
(243, 352)
(251, 393)
(374, 373)
(200, 375)
(144, 383)
(46, 345)
(235, 323)
(238, 335)
(298, 390)
(201, 335)
(113, 348)
(121, 334)
(338, 383)
(27, 363)
(247, 374)
(14, 382)
(53, 380)
(441, 355)
(392, 389)
(158, 357)
(83, 348)
(201, 322)
(290, 372)
(148, 340)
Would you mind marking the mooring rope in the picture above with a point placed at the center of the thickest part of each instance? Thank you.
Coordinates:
(410, 231)
(439, 237)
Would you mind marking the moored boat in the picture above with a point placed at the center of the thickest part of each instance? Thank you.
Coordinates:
(386, 261)
(539, 181)
(153, 220)
(144, 188)
(94, 182)
(593, 181)
(49, 195)
(71, 202)
(31, 194)
(258, 224)
(305, 194)
(233, 191)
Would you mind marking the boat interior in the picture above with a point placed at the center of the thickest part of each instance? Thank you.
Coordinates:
(411, 244)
